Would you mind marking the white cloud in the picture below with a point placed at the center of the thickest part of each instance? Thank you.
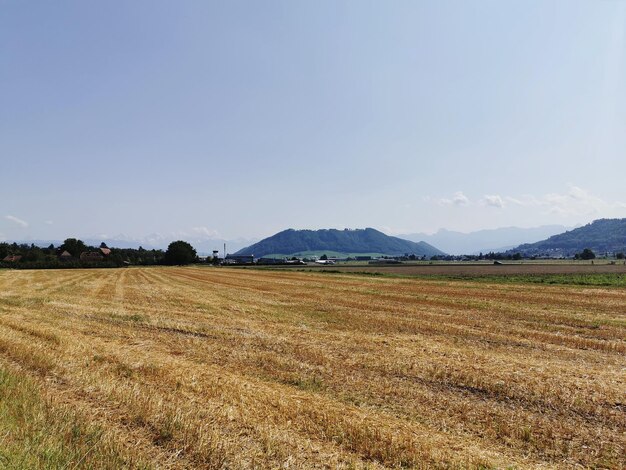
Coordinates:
(576, 201)
(458, 199)
(15, 220)
(515, 201)
(493, 200)
(48, 222)
(578, 193)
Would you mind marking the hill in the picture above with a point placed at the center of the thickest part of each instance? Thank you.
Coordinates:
(602, 236)
(497, 240)
(366, 240)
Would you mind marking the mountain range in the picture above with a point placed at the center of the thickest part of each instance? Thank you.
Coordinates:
(366, 241)
(603, 235)
(485, 241)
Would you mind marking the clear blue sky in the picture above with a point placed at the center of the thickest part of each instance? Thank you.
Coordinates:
(240, 119)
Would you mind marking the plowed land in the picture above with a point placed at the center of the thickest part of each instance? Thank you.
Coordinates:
(226, 368)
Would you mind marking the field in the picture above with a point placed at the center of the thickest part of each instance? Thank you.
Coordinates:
(443, 268)
(232, 368)
(559, 272)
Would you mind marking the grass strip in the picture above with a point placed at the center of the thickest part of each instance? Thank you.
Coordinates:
(36, 434)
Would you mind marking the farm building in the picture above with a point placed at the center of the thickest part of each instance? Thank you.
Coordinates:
(66, 256)
(12, 258)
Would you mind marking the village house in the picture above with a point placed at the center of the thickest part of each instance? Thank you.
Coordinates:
(66, 256)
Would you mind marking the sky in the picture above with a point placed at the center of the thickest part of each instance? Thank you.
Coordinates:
(240, 119)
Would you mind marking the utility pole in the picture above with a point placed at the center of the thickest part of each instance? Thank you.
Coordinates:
(224, 250)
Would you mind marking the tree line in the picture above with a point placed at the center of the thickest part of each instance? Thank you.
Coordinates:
(23, 256)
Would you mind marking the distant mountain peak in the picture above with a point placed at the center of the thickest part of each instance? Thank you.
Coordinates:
(485, 240)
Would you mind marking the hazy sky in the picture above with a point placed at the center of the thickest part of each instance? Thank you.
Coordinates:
(240, 119)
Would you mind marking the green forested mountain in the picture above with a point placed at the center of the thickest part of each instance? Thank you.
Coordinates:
(347, 241)
(601, 236)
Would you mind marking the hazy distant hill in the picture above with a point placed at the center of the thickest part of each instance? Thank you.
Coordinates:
(347, 241)
(499, 239)
(603, 235)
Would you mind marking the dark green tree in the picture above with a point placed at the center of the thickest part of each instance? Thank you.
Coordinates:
(587, 254)
(34, 253)
(73, 246)
(179, 252)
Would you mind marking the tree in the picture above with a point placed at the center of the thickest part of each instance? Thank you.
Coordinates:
(4, 250)
(587, 254)
(619, 255)
(179, 252)
(73, 246)
(34, 254)
(324, 257)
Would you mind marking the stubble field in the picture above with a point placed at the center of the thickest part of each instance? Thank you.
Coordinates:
(226, 368)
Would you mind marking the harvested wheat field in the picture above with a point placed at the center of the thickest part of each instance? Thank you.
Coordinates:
(225, 368)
